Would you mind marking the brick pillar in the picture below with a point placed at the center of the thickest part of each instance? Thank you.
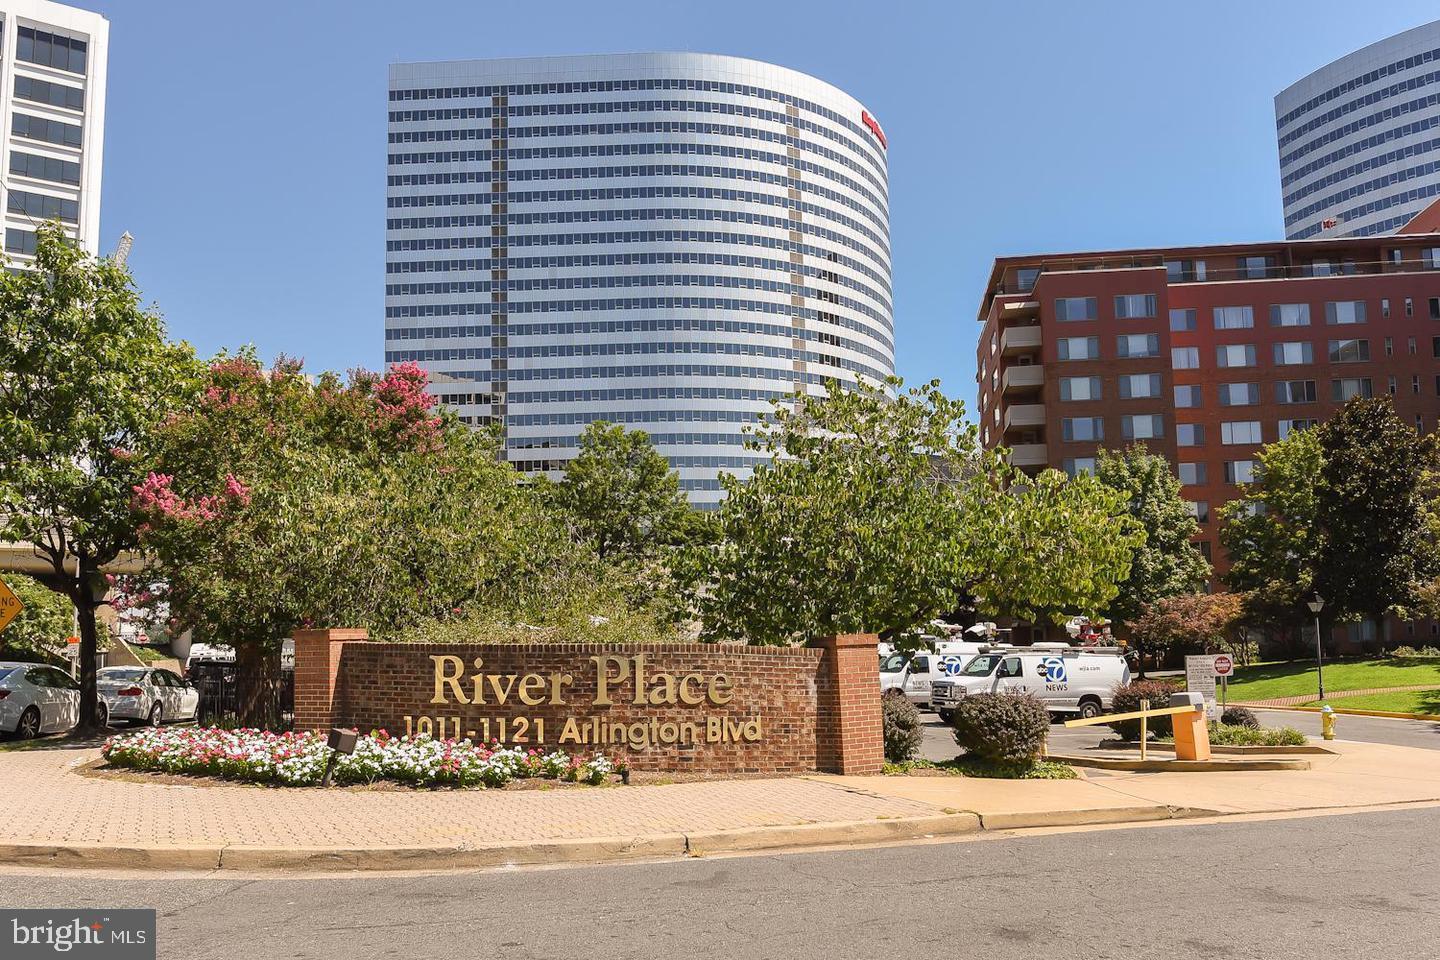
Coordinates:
(848, 732)
(317, 671)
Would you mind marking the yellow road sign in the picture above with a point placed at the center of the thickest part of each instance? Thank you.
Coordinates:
(10, 605)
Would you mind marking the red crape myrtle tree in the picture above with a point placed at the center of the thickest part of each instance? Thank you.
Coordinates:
(284, 501)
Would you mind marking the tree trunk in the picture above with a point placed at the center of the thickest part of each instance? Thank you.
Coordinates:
(257, 688)
(85, 606)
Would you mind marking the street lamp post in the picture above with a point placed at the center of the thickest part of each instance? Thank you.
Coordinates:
(1316, 605)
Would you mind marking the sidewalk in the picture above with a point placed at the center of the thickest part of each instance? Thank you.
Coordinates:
(57, 816)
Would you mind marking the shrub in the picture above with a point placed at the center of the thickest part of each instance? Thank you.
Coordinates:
(1407, 652)
(901, 721)
(1002, 728)
(1239, 717)
(1127, 699)
(1225, 735)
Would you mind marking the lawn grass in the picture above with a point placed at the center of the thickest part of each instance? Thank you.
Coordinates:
(1265, 681)
(1402, 701)
(966, 766)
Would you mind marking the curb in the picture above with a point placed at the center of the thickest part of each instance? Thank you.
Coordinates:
(1082, 818)
(1384, 714)
(1183, 766)
(1256, 751)
(210, 857)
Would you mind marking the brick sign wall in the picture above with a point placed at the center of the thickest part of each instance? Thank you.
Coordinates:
(670, 707)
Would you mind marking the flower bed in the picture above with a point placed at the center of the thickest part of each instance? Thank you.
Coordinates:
(298, 759)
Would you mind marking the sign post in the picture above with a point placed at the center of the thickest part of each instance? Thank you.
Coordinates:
(1224, 667)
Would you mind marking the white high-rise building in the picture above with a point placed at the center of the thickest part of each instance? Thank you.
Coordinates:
(52, 99)
(665, 241)
(1360, 139)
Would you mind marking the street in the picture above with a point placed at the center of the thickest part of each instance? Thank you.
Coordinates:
(1357, 886)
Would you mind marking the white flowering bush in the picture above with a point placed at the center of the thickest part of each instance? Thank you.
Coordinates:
(298, 759)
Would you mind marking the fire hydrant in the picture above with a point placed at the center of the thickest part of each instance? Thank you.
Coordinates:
(1327, 722)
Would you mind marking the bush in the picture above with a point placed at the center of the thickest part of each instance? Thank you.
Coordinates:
(1127, 699)
(1407, 652)
(1002, 728)
(1225, 735)
(1239, 717)
(901, 721)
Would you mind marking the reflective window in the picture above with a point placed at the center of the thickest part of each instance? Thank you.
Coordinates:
(1295, 391)
(1240, 431)
(1191, 474)
(1345, 311)
(1234, 318)
(1142, 427)
(44, 168)
(1239, 394)
(55, 94)
(50, 131)
(1080, 388)
(50, 50)
(1294, 352)
(1187, 395)
(42, 207)
(1185, 358)
(1134, 306)
(1075, 308)
(1182, 321)
(1235, 355)
(1135, 386)
(1289, 314)
(1082, 428)
(1137, 345)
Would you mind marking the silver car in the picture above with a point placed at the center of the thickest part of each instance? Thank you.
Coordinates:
(36, 698)
(146, 695)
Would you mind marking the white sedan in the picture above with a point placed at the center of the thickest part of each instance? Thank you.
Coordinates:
(36, 699)
(146, 695)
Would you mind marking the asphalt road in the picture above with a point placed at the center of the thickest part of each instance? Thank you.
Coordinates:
(940, 745)
(1357, 886)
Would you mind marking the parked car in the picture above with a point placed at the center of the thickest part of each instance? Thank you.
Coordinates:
(146, 695)
(36, 698)
(1067, 680)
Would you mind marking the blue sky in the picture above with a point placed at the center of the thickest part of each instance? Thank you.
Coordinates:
(245, 146)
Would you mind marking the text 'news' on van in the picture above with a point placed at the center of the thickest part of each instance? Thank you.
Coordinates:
(1066, 680)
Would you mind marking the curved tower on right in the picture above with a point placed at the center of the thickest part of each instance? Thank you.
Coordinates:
(1360, 139)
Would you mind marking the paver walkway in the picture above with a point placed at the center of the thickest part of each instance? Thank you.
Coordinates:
(43, 800)
(47, 805)
(1334, 695)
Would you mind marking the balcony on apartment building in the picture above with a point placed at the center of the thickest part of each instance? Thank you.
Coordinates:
(1029, 455)
(1027, 378)
(1023, 415)
(1018, 340)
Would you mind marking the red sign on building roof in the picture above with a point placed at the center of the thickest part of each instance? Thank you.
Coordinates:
(874, 126)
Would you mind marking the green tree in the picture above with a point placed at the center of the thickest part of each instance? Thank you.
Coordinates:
(854, 524)
(620, 495)
(88, 376)
(280, 503)
(1048, 547)
(1271, 535)
(1166, 563)
(43, 624)
(1372, 504)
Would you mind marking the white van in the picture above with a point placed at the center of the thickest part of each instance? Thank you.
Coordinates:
(916, 673)
(1066, 679)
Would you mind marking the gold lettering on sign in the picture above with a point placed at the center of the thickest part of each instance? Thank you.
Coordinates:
(603, 679)
(452, 677)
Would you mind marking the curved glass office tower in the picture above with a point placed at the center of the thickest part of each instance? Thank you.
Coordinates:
(1360, 139)
(666, 241)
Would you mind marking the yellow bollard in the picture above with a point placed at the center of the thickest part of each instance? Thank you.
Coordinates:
(1327, 722)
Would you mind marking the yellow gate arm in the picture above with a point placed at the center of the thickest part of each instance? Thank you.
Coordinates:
(1112, 717)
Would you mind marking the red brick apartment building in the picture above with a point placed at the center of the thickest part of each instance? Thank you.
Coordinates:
(1205, 353)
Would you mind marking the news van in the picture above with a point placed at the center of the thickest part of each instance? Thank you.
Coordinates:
(917, 673)
(1067, 679)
